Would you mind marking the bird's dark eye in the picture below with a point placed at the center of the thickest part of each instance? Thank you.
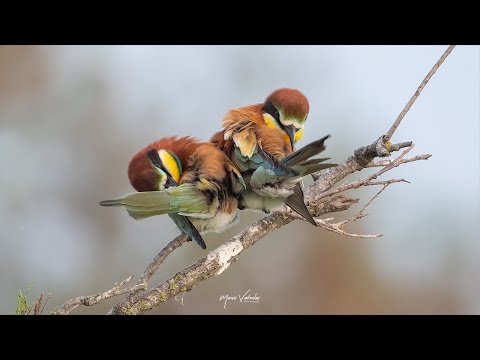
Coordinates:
(277, 114)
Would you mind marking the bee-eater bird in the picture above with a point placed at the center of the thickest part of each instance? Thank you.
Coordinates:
(260, 141)
(192, 181)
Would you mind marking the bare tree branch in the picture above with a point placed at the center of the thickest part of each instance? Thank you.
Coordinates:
(358, 183)
(361, 214)
(90, 300)
(152, 268)
(216, 262)
(320, 199)
(382, 163)
(141, 284)
(336, 229)
(418, 92)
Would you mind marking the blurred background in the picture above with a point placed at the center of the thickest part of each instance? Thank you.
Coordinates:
(71, 118)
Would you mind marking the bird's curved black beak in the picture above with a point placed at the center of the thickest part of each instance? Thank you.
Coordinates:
(170, 181)
(290, 130)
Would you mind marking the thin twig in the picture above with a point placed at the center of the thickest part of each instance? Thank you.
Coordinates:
(336, 229)
(152, 268)
(96, 298)
(134, 290)
(359, 183)
(418, 92)
(382, 163)
(387, 182)
(161, 256)
(396, 147)
(361, 214)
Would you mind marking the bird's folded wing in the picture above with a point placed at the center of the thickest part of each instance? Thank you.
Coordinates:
(306, 152)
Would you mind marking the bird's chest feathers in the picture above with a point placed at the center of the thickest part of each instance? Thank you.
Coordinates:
(217, 223)
(253, 201)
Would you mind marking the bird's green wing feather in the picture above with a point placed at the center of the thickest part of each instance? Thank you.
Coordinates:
(188, 198)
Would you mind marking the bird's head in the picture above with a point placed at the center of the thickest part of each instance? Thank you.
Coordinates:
(159, 165)
(153, 170)
(286, 109)
(167, 167)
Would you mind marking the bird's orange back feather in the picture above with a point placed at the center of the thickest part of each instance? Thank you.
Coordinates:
(206, 162)
(272, 140)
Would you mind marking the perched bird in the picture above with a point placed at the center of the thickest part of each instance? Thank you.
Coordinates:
(260, 140)
(192, 181)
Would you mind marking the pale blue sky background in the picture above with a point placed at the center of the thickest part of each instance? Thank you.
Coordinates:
(69, 127)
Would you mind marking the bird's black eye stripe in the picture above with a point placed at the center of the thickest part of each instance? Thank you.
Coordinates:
(272, 110)
(157, 162)
(155, 158)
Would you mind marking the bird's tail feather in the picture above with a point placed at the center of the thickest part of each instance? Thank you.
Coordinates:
(307, 168)
(186, 199)
(147, 200)
(297, 204)
(305, 152)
